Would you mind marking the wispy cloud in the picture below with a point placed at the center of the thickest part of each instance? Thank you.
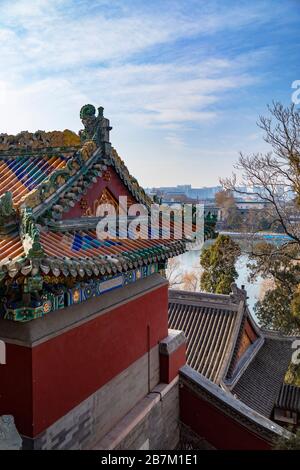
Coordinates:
(153, 65)
(50, 55)
(64, 33)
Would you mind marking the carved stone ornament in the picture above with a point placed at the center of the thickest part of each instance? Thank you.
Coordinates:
(10, 439)
(96, 128)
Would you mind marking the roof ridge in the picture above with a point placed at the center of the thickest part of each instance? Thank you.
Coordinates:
(26, 141)
(46, 152)
(278, 335)
(59, 177)
(200, 297)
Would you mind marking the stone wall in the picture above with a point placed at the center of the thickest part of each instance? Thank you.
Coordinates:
(152, 424)
(10, 439)
(94, 417)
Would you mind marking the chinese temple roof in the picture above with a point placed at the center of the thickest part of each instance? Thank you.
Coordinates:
(20, 174)
(226, 346)
(210, 324)
(260, 384)
(49, 185)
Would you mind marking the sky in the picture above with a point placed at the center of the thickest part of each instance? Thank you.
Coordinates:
(182, 81)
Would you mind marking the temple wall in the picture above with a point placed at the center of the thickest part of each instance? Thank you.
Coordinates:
(89, 421)
(16, 385)
(55, 363)
(215, 427)
(152, 424)
(220, 419)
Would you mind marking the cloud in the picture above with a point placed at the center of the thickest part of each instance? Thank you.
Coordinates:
(153, 65)
(51, 35)
(174, 140)
(50, 59)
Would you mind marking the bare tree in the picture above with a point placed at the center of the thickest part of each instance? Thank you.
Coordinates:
(174, 273)
(230, 214)
(274, 177)
(191, 281)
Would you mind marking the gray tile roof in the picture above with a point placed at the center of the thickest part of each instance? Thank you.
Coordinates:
(260, 384)
(210, 324)
(213, 327)
(289, 398)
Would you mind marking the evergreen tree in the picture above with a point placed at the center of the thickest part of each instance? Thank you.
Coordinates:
(279, 308)
(218, 261)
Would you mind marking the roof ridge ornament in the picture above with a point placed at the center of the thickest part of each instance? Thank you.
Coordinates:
(59, 177)
(30, 235)
(238, 294)
(96, 128)
(26, 141)
(7, 212)
(6, 205)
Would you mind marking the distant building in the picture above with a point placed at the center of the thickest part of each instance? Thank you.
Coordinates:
(244, 207)
(185, 190)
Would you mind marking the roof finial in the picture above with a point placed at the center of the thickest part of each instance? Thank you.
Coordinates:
(238, 294)
(95, 127)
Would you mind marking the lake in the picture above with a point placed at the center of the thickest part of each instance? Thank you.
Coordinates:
(190, 261)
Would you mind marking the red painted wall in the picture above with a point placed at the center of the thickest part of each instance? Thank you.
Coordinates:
(115, 186)
(248, 338)
(250, 331)
(223, 432)
(68, 368)
(16, 385)
(170, 365)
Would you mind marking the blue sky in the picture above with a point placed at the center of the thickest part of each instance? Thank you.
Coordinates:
(182, 82)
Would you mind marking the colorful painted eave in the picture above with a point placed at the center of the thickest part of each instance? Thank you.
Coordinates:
(107, 258)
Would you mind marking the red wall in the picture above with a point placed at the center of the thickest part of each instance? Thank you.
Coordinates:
(170, 364)
(223, 432)
(115, 186)
(70, 367)
(16, 385)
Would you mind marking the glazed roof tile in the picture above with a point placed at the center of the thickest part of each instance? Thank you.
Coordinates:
(85, 244)
(289, 398)
(209, 326)
(11, 248)
(20, 174)
(260, 384)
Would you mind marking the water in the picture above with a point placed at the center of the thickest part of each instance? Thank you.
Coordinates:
(190, 261)
(254, 289)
